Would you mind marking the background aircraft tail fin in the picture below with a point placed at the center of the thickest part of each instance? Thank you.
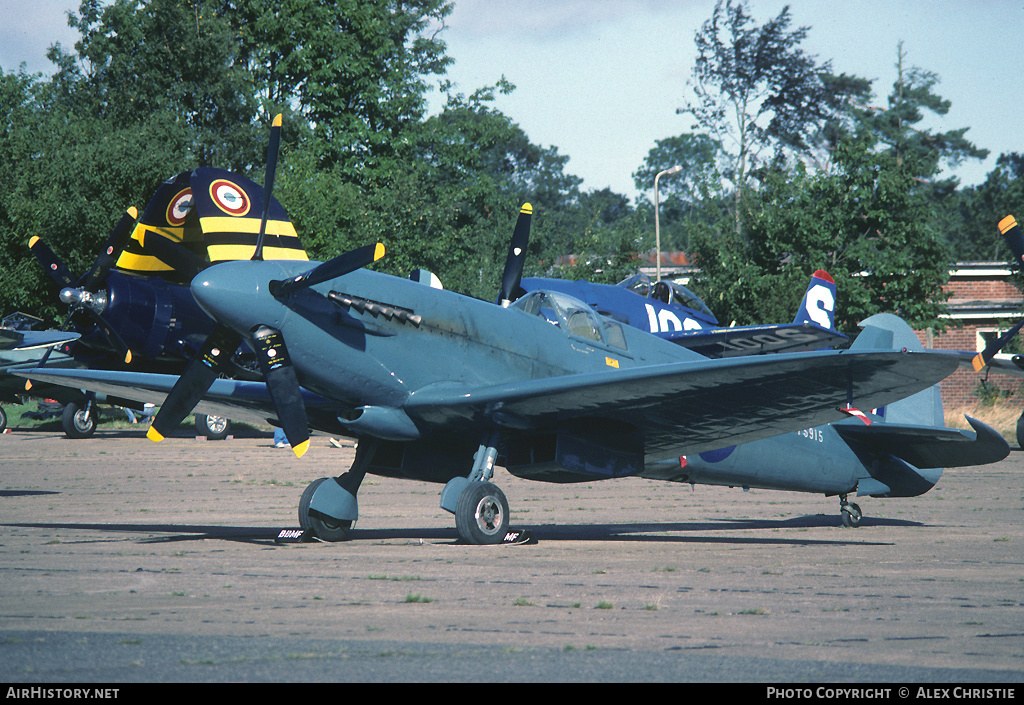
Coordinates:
(819, 302)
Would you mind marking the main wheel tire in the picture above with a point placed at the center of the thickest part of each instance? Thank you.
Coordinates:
(481, 514)
(79, 421)
(215, 428)
(1020, 431)
(3, 420)
(323, 527)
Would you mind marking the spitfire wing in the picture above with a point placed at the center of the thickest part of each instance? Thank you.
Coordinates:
(680, 408)
(695, 406)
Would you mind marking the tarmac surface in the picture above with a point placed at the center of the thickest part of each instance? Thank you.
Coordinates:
(126, 561)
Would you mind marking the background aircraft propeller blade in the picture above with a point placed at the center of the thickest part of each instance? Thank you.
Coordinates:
(112, 249)
(113, 338)
(514, 262)
(276, 365)
(199, 374)
(268, 181)
(1015, 239)
(342, 264)
(986, 355)
(54, 267)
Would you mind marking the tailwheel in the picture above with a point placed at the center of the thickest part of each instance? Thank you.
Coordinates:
(481, 515)
(322, 526)
(850, 512)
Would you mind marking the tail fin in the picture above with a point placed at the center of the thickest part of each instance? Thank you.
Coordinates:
(921, 409)
(819, 303)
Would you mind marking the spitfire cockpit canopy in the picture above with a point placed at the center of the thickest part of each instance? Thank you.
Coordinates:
(572, 316)
(667, 292)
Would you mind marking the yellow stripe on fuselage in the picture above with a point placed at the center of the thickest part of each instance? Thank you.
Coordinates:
(229, 253)
(141, 263)
(215, 224)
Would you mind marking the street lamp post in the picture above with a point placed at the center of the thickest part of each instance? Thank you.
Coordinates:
(657, 229)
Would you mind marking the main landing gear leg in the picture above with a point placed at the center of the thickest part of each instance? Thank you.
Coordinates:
(850, 512)
(328, 507)
(479, 506)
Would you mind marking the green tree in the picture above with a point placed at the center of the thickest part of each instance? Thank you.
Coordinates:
(757, 93)
(355, 71)
(863, 223)
(682, 196)
(969, 217)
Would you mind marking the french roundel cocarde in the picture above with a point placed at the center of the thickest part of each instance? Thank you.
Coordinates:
(179, 208)
(229, 197)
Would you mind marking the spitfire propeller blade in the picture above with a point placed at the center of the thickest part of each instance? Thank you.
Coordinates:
(283, 385)
(268, 182)
(513, 274)
(199, 374)
(340, 265)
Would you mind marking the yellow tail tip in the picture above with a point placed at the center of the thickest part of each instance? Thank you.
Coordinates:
(154, 435)
(378, 251)
(1006, 224)
(300, 449)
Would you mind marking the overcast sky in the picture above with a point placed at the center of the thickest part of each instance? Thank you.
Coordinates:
(601, 80)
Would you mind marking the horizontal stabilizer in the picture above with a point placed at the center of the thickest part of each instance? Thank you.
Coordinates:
(929, 446)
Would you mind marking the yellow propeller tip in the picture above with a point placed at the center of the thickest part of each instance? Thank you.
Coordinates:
(378, 251)
(133, 212)
(527, 208)
(154, 435)
(300, 449)
(1006, 224)
(978, 363)
(33, 240)
(128, 357)
(278, 120)
(28, 384)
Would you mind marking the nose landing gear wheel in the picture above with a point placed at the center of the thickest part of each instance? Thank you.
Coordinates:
(481, 515)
